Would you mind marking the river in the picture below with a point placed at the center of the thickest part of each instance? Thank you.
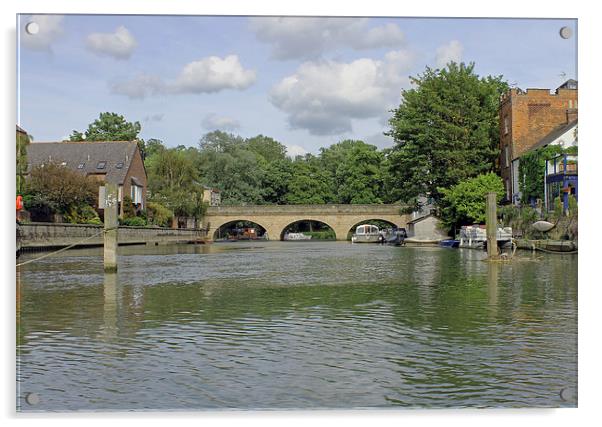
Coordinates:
(280, 325)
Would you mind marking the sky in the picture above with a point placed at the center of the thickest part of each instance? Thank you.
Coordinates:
(307, 82)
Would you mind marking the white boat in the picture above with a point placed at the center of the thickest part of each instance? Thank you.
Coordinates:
(296, 236)
(366, 233)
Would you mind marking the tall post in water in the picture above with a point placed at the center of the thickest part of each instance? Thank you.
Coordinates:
(110, 234)
(491, 221)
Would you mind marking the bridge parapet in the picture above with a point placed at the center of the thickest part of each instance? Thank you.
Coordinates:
(329, 209)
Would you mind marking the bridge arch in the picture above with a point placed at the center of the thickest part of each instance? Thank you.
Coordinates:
(308, 220)
(219, 231)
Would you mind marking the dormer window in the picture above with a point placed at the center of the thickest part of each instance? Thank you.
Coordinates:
(101, 165)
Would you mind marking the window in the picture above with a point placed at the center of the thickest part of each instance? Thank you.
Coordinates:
(101, 165)
(506, 125)
(119, 165)
(507, 156)
(81, 165)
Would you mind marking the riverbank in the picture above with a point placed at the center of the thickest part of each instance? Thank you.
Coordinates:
(40, 236)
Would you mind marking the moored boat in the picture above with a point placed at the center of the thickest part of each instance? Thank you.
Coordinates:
(296, 236)
(366, 233)
(449, 243)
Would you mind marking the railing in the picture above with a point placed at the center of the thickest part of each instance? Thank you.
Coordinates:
(563, 164)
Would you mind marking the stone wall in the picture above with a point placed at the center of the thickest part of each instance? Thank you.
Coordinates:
(44, 234)
(276, 218)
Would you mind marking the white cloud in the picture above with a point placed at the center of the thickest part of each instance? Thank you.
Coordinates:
(50, 28)
(295, 150)
(324, 96)
(207, 75)
(307, 37)
(215, 122)
(120, 44)
(449, 52)
(213, 74)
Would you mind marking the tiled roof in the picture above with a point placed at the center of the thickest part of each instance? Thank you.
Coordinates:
(86, 157)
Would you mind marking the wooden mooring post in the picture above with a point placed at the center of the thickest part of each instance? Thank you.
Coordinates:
(491, 221)
(110, 230)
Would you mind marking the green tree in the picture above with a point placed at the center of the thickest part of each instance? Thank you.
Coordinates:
(23, 141)
(464, 203)
(358, 174)
(275, 183)
(220, 142)
(108, 127)
(53, 188)
(532, 168)
(445, 131)
(310, 183)
(268, 148)
(225, 162)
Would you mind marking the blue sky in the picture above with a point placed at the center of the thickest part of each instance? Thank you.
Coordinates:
(307, 82)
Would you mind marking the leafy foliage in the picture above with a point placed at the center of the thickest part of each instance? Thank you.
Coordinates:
(158, 214)
(531, 170)
(82, 214)
(174, 180)
(445, 131)
(22, 143)
(136, 221)
(464, 203)
(53, 188)
(108, 127)
(520, 219)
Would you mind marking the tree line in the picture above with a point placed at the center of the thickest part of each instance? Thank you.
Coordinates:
(445, 133)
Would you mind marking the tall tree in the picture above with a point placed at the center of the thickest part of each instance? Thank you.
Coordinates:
(108, 127)
(356, 171)
(445, 131)
(310, 183)
(225, 162)
(268, 148)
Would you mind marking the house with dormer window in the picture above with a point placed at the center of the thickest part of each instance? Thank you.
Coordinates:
(116, 162)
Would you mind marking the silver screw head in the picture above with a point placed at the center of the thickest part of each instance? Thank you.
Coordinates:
(566, 32)
(32, 28)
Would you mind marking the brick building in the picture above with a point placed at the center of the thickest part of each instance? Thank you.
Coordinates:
(116, 162)
(526, 117)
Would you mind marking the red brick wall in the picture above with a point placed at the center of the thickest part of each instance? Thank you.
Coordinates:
(137, 171)
(531, 115)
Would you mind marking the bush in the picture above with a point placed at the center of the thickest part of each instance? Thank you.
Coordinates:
(136, 221)
(82, 214)
(464, 203)
(129, 211)
(55, 187)
(520, 219)
(158, 214)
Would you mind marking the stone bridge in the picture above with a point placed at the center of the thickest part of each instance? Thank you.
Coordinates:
(275, 219)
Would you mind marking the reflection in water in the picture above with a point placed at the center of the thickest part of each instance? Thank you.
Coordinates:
(297, 325)
(111, 307)
(493, 271)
